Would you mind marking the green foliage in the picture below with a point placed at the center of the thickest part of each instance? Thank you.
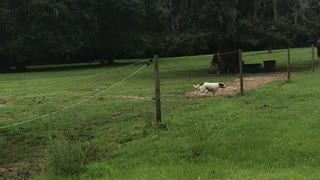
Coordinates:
(66, 31)
(264, 35)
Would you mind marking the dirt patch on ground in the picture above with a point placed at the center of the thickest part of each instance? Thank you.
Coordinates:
(250, 82)
(19, 170)
(129, 97)
(8, 173)
(2, 102)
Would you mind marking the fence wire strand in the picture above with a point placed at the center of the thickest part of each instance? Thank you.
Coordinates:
(230, 52)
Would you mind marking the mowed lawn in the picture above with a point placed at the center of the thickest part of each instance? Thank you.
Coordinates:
(270, 133)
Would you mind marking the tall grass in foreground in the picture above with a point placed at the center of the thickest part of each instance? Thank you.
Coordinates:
(69, 158)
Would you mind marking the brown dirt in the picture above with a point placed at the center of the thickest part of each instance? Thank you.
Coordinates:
(2, 102)
(20, 170)
(250, 82)
(129, 97)
(8, 172)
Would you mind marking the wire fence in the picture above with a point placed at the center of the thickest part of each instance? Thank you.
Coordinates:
(76, 104)
(285, 52)
(301, 58)
(275, 60)
(265, 53)
(75, 80)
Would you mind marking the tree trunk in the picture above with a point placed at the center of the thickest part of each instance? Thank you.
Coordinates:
(21, 67)
(256, 4)
(275, 9)
(110, 62)
(295, 17)
(173, 25)
(226, 61)
(318, 48)
(227, 53)
(4, 67)
(172, 16)
(102, 62)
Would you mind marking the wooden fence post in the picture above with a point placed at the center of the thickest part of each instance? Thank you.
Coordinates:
(157, 90)
(241, 71)
(288, 65)
(312, 58)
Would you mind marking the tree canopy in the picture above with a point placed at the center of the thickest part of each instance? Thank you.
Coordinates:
(64, 31)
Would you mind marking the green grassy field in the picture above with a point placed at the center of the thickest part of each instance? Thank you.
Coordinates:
(270, 133)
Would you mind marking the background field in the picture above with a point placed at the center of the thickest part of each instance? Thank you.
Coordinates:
(270, 133)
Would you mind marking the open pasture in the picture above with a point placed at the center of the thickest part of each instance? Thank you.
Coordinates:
(270, 133)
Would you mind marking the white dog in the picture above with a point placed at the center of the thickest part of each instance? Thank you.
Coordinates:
(206, 87)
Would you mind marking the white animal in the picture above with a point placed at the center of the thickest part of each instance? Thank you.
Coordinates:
(207, 86)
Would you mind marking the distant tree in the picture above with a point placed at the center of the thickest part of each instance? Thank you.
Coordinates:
(121, 28)
(8, 30)
(64, 31)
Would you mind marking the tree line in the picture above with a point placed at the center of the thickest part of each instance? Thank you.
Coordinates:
(66, 31)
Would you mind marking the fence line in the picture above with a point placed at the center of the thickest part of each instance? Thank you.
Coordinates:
(76, 104)
(88, 77)
(307, 46)
(94, 75)
(233, 52)
(255, 54)
(230, 52)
